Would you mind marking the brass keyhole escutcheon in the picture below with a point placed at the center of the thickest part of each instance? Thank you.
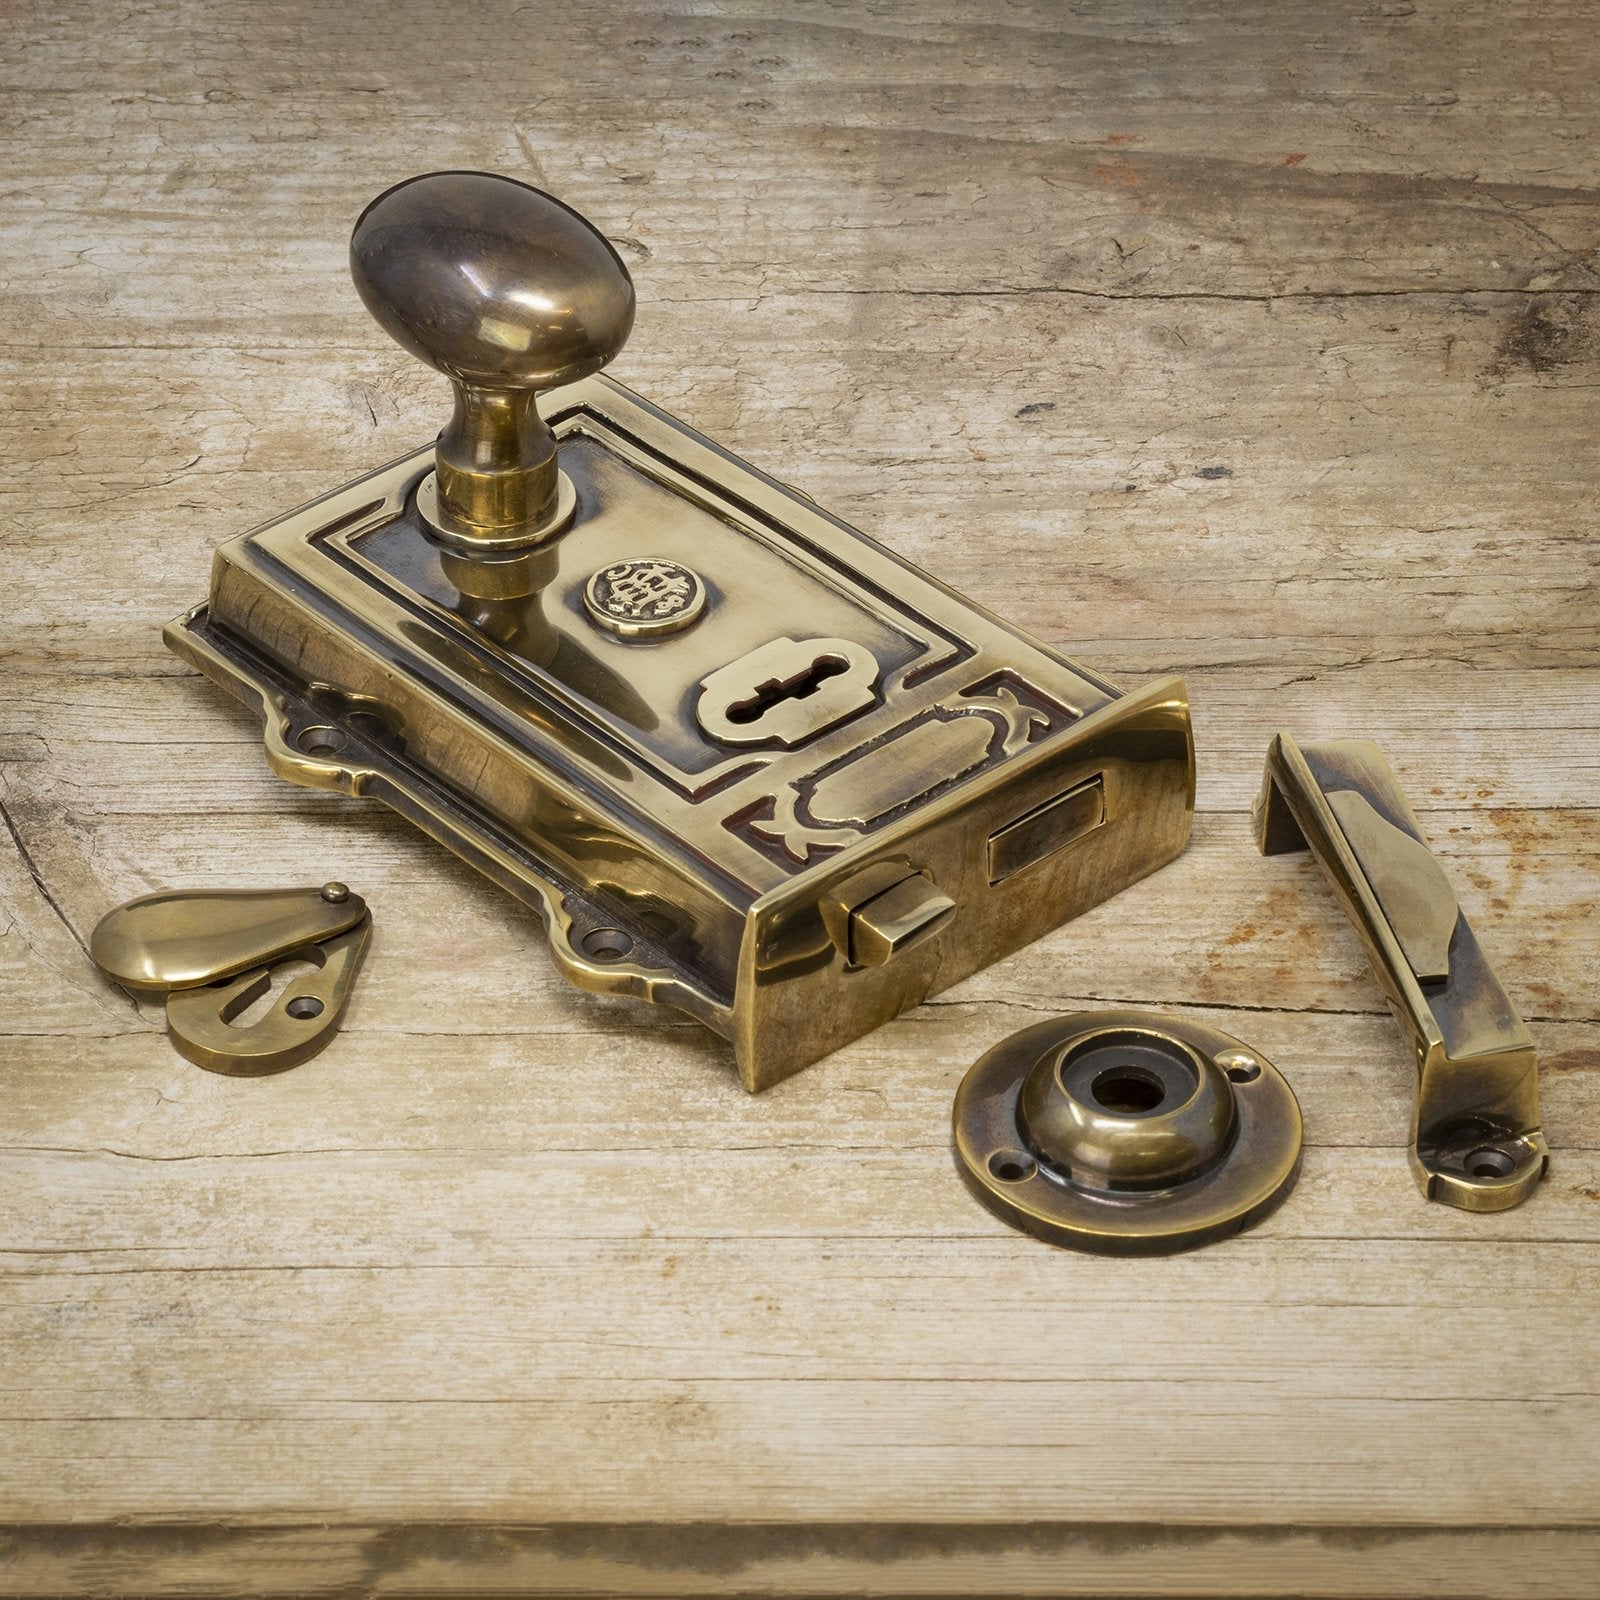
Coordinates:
(214, 953)
(788, 691)
(775, 691)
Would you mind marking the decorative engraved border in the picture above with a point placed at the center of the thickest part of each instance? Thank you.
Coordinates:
(935, 646)
(784, 826)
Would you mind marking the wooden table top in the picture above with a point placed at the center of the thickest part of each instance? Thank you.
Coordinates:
(1255, 340)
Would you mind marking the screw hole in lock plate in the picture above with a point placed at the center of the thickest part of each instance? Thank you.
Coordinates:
(322, 740)
(606, 944)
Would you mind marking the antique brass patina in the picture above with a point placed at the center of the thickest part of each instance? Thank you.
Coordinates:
(1476, 1141)
(1126, 1132)
(212, 951)
(741, 759)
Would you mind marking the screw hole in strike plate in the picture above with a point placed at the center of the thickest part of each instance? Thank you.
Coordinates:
(1244, 1071)
(1490, 1163)
(1012, 1166)
(304, 1007)
(1128, 1090)
(321, 740)
(606, 944)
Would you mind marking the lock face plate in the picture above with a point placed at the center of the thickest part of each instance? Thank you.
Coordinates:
(680, 802)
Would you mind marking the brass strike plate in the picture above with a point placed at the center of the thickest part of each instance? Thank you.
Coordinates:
(1476, 1142)
(742, 759)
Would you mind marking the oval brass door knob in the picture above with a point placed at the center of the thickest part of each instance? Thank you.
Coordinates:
(507, 292)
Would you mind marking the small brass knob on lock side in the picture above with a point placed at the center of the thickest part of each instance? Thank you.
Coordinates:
(507, 292)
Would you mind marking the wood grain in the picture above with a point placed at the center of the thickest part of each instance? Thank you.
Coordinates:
(1256, 341)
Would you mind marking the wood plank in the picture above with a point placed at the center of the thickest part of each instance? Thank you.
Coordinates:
(960, 1559)
(1201, 512)
(1254, 341)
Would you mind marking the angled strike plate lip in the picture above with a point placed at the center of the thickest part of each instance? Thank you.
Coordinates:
(1291, 814)
(1476, 1141)
(1410, 886)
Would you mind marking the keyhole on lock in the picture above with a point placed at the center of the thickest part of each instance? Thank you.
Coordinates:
(787, 691)
(776, 690)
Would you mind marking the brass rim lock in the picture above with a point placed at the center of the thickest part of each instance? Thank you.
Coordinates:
(1127, 1132)
(740, 758)
(212, 951)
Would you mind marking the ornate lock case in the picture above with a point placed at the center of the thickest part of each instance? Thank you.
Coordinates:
(742, 759)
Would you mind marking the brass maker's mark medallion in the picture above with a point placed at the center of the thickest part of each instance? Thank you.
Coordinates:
(645, 597)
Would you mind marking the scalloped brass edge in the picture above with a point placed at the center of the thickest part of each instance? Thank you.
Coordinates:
(359, 768)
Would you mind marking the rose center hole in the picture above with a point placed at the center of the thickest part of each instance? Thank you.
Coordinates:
(1128, 1090)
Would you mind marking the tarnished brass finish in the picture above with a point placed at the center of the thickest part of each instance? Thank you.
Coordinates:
(182, 938)
(686, 727)
(891, 922)
(506, 291)
(1476, 1141)
(1126, 1132)
(211, 952)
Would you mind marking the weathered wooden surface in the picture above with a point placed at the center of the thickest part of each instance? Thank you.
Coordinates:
(1258, 341)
